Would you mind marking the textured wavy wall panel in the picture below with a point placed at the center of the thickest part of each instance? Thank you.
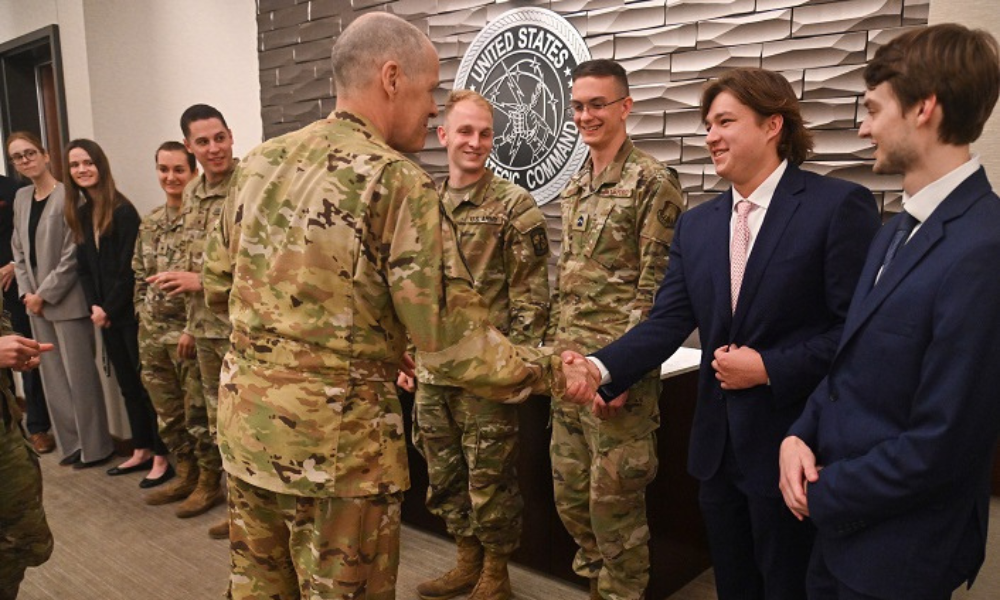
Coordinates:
(669, 47)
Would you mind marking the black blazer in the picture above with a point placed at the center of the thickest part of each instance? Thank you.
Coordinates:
(106, 273)
(906, 423)
(793, 301)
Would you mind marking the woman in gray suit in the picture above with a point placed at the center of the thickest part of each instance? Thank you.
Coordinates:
(46, 270)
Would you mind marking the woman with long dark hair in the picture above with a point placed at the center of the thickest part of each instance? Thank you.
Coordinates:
(45, 265)
(105, 226)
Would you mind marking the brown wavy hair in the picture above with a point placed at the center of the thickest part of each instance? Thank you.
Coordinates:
(959, 66)
(103, 198)
(766, 93)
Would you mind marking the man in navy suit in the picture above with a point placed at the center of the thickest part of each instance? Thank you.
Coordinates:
(906, 422)
(765, 272)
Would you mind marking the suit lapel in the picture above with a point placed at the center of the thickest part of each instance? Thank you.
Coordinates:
(779, 212)
(25, 218)
(867, 299)
(718, 238)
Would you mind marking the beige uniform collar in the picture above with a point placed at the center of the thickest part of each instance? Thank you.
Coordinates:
(613, 172)
(476, 195)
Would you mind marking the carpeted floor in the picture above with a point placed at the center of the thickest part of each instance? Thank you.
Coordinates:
(111, 546)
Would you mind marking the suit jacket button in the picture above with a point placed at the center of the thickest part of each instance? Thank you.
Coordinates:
(833, 397)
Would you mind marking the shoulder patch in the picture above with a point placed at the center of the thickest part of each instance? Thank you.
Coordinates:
(540, 241)
(668, 215)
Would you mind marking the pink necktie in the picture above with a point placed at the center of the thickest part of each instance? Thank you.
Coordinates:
(738, 249)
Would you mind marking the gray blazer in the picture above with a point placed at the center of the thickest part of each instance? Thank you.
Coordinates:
(55, 277)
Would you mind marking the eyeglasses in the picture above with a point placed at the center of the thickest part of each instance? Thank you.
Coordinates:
(27, 155)
(593, 106)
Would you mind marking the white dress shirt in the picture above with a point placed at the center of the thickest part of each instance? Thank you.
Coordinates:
(761, 199)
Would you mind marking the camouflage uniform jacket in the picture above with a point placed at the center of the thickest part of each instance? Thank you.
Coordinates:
(159, 248)
(503, 239)
(334, 246)
(200, 215)
(617, 227)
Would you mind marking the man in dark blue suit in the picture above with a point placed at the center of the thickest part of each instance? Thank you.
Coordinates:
(765, 272)
(906, 422)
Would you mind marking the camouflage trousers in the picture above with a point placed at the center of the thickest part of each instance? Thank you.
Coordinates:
(285, 547)
(210, 354)
(25, 539)
(174, 386)
(600, 471)
(470, 445)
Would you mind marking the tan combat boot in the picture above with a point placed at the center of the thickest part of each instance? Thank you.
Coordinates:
(180, 488)
(595, 594)
(494, 583)
(219, 531)
(207, 494)
(462, 578)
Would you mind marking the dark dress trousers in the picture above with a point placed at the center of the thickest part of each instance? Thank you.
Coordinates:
(38, 414)
(906, 422)
(796, 289)
(109, 282)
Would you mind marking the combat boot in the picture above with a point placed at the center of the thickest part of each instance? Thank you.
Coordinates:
(595, 594)
(494, 582)
(219, 531)
(207, 494)
(182, 486)
(462, 578)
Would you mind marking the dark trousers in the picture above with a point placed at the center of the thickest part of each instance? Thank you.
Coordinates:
(759, 549)
(38, 413)
(122, 346)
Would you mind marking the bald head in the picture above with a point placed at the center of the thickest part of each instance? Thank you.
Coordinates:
(370, 42)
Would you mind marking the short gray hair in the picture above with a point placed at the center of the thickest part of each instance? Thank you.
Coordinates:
(370, 42)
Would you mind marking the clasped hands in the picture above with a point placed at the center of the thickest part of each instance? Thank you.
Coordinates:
(583, 378)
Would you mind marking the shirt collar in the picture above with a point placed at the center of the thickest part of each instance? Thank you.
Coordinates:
(476, 193)
(761, 197)
(924, 202)
(613, 172)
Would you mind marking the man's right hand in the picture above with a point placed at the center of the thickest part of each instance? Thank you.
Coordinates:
(797, 467)
(176, 282)
(582, 378)
(20, 353)
(186, 347)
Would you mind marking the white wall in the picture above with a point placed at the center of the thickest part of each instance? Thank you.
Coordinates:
(131, 67)
(151, 59)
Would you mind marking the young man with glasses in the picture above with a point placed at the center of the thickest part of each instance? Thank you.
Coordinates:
(618, 215)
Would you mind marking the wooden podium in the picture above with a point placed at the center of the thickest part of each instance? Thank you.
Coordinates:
(678, 549)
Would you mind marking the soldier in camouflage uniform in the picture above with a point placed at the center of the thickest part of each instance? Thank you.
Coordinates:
(470, 443)
(167, 353)
(25, 539)
(208, 137)
(335, 246)
(618, 215)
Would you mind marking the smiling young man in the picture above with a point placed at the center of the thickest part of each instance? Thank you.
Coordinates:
(764, 272)
(891, 458)
(618, 215)
(208, 137)
(469, 442)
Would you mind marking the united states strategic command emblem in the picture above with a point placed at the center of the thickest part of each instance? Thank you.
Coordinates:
(521, 62)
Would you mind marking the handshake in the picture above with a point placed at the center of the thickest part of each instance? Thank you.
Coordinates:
(583, 378)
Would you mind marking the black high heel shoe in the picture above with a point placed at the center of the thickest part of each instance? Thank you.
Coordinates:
(167, 476)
